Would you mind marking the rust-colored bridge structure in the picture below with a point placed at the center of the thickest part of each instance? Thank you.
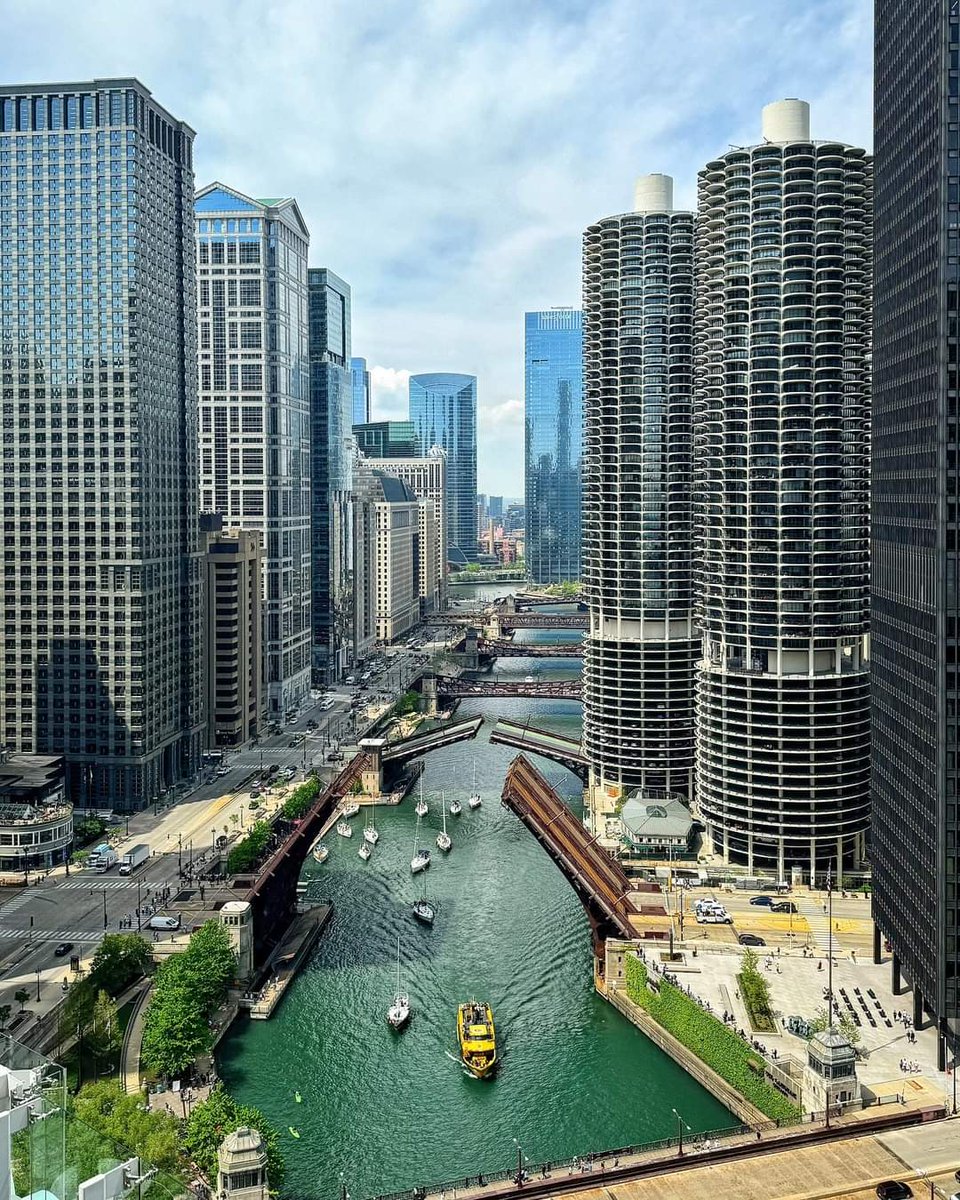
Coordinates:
(554, 689)
(508, 620)
(507, 648)
(603, 887)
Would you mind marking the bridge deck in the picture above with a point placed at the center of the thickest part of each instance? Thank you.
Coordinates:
(568, 751)
(423, 742)
(556, 689)
(604, 889)
(505, 648)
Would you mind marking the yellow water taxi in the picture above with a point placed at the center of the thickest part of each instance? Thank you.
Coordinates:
(478, 1040)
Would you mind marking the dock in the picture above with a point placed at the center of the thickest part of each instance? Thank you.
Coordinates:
(284, 963)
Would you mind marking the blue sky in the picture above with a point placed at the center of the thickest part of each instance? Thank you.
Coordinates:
(447, 154)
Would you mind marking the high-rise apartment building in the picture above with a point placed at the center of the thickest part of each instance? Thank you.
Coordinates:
(495, 503)
(255, 408)
(915, 610)
(641, 644)
(553, 421)
(782, 370)
(360, 383)
(443, 409)
(386, 439)
(102, 588)
(331, 390)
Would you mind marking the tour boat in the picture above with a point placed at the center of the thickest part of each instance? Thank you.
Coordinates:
(474, 800)
(365, 850)
(443, 839)
(344, 829)
(478, 1041)
(398, 1014)
(421, 856)
(319, 851)
(370, 833)
(351, 809)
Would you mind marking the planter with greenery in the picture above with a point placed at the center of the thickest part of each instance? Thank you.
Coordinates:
(248, 852)
(756, 994)
(299, 802)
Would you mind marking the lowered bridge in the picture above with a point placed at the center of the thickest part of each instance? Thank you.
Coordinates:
(564, 750)
(423, 743)
(506, 648)
(616, 906)
(557, 689)
(506, 620)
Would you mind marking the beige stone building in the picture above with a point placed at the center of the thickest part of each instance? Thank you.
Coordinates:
(427, 479)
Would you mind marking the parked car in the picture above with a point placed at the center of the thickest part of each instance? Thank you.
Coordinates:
(750, 939)
(894, 1189)
(764, 901)
(63, 949)
(785, 906)
(255, 794)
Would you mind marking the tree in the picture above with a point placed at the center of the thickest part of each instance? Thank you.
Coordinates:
(120, 959)
(107, 1109)
(210, 965)
(5, 1010)
(210, 1122)
(821, 1021)
(175, 1033)
(76, 1015)
(21, 995)
(105, 1036)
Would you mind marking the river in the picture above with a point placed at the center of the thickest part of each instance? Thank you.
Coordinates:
(388, 1112)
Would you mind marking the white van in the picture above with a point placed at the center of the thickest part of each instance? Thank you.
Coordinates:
(171, 922)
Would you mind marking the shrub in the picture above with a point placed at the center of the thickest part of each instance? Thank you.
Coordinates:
(249, 850)
(300, 800)
(756, 994)
(720, 1048)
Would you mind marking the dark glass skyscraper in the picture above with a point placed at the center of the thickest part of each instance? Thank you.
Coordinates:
(915, 587)
(360, 383)
(553, 423)
(102, 588)
(386, 439)
(443, 409)
(331, 410)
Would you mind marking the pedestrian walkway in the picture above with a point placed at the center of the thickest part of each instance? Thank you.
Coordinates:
(17, 902)
(818, 922)
(77, 885)
(52, 935)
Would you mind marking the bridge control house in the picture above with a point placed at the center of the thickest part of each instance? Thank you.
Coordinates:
(654, 825)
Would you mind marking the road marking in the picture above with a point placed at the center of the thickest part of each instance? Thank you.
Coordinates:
(51, 935)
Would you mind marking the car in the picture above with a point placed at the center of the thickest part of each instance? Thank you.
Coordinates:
(750, 939)
(292, 744)
(164, 923)
(764, 901)
(255, 794)
(785, 906)
(894, 1189)
(311, 724)
(63, 949)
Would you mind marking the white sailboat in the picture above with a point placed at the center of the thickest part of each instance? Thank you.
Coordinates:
(365, 850)
(421, 856)
(344, 829)
(370, 834)
(351, 809)
(456, 808)
(319, 851)
(398, 1014)
(443, 839)
(422, 807)
(474, 800)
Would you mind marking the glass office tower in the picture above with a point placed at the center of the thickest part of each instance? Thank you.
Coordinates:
(641, 644)
(331, 399)
(782, 373)
(386, 439)
(102, 587)
(360, 383)
(254, 408)
(915, 610)
(443, 409)
(553, 440)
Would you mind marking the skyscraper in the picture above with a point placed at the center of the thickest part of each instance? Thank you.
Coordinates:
(360, 383)
(553, 423)
(641, 644)
(102, 588)
(781, 433)
(255, 408)
(915, 609)
(386, 439)
(331, 394)
(443, 409)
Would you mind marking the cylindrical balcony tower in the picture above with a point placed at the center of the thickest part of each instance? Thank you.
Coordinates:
(641, 647)
(781, 445)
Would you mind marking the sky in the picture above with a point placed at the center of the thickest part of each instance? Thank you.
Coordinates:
(447, 154)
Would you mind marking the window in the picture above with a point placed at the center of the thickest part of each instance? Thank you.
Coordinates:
(250, 335)
(249, 293)
(249, 252)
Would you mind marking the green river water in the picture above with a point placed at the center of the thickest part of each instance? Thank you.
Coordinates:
(389, 1112)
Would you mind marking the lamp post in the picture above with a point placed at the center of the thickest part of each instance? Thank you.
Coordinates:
(180, 854)
(518, 1178)
(139, 887)
(681, 1125)
(38, 985)
(103, 893)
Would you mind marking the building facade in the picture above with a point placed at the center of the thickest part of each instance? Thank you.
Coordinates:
(443, 409)
(427, 479)
(102, 589)
(363, 626)
(233, 674)
(641, 644)
(360, 383)
(553, 443)
(397, 520)
(254, 408)
(331, 389)
(36, 820)
(782, 462)
(915, 610)
(386, 439)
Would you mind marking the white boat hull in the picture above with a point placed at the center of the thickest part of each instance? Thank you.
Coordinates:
(422, 808)
(444, 842)
(456, 809)
(351, 810)
(420, 863)
(344, 830)
(474, 802)
(321, 854)
(398, 1015)
(371, 836)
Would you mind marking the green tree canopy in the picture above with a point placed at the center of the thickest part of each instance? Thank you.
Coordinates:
(128, 1124)
(105, 1035)
(219, 1115)
(120, 959)
(21, 995)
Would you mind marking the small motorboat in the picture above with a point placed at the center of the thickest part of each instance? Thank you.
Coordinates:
(344, 829)
(351, 809)
(365, 850)
(320, 852)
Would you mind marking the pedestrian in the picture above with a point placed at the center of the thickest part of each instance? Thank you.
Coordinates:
(758, 1135)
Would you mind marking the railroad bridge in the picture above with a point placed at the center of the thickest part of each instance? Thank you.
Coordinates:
(555, 689)
(616, 906)
(507, 648)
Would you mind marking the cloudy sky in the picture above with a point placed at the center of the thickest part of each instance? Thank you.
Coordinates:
(447, 153)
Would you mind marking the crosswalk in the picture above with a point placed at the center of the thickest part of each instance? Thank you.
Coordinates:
(17, 902)
(819, 925)
(90, 881)
(50, 935)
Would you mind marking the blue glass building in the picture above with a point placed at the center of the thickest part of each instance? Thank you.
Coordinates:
(553, 395)
(360, 381)
(331, 399)
(443, 409)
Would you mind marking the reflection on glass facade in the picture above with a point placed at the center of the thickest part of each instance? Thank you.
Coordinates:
(386, 439)
(443, 409)
(332, 400)
(915, 610)
(553, 418)
(360, 383)
(254, 407)
(101, 597)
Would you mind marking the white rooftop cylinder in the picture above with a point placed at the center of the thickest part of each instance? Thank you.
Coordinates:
(786, 121)
(653, 193)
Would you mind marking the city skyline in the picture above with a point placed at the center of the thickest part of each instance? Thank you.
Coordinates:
(453, 252)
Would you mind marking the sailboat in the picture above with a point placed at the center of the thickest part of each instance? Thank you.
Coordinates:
(456, 808)
(398, 1014)
(422, 807)
(474, 800)
(424, 911)
(365, 850)
(370, 833)
(319, 850)
(344, 829)
(443, 839)
(351, 808)
(421, 857)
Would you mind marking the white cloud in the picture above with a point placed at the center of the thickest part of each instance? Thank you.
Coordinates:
(447, 154)
(389, 393)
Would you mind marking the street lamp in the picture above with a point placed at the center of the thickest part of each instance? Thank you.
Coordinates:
(38, 985)
(518, 1178)
(681, 1126)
